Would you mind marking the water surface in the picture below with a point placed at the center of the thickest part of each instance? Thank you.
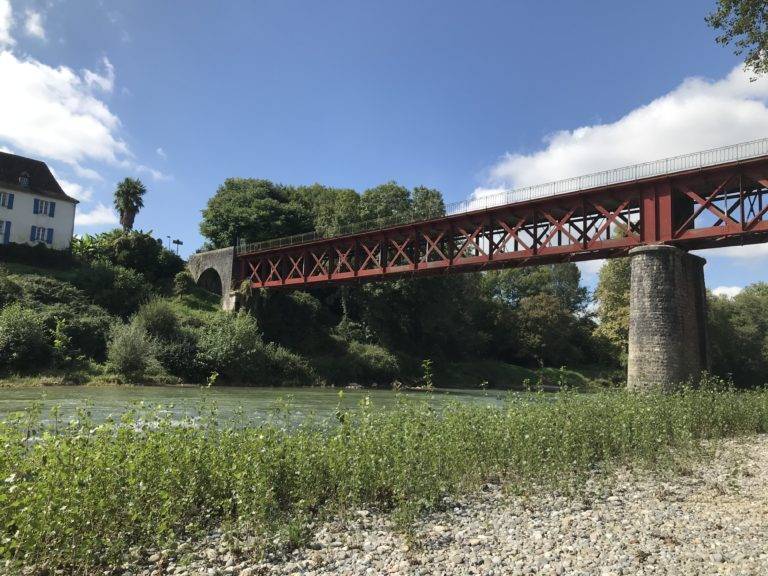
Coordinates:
(256, 403)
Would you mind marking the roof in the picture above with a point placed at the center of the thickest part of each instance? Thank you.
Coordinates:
(41, 179)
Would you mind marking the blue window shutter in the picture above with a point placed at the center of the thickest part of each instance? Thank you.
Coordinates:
(49, 236)
(7, 233)
(51, 208)
(32, 233)
(10, 201)
(36, 207)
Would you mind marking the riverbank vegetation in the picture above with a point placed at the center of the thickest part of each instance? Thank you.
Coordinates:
(80, 494)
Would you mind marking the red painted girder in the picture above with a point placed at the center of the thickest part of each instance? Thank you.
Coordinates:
(695, 209)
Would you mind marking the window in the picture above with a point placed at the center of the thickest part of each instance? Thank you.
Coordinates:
(24, 180)
(5, 231)
(41, 234)
(44, 207)
(6, 200)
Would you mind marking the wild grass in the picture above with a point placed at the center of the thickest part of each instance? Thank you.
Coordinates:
(79, 494)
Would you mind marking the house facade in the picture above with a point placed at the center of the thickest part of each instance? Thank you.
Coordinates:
(33, 207)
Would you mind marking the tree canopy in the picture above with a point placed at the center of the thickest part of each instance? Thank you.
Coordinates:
(744, 25)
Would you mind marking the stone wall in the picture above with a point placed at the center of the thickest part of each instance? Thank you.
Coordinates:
(222, 261)
(667, 318)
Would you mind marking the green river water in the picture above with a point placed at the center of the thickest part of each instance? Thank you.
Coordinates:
(257, 404)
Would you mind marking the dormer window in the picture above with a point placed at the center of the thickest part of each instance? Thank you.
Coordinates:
(24, 180)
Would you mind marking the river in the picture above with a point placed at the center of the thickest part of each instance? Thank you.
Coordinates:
(257, 404)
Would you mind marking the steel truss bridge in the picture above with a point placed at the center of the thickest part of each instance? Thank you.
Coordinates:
(704, 200)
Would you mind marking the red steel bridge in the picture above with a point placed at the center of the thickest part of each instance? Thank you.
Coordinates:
(703, 200)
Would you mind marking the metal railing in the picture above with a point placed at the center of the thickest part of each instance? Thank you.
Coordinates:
(713, 157)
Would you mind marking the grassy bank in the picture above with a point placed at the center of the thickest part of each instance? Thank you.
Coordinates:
(82, 495)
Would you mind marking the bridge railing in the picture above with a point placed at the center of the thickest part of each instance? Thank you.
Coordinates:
(683, 163)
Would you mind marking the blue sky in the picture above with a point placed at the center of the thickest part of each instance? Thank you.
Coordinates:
(461, 96)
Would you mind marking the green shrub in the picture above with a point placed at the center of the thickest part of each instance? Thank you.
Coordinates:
(38, 255)
(135, 250)
(87, 327)
(159, 319)
(9, 290)
(231, 345)
(118, 290)
(47, 290)
(183, 283)
(131, 352)
(24, 342)
(179, 356)
(372, 363)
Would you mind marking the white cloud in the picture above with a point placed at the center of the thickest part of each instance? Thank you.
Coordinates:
(590, 270)
(160, 152)
(749, 252)
(104, 81)
(154, 173)
(697, 115)
(101, 215)
(6, 150)
(6, 22)
(52, 112)
(33, 24)
(727, 291)
(77, 191)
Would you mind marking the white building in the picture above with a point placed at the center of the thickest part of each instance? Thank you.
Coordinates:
(33, 207)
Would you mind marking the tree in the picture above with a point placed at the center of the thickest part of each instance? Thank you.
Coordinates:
(738, 334)
(743, 23)
(612, 296)
(427, 203)
(560, 280)
(128, 201)
(548, 331)
(251, 210)
(385, 201)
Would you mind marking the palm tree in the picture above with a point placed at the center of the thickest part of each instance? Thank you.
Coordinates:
(128, 201)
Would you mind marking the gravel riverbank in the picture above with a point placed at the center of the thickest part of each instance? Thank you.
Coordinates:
(709, 518)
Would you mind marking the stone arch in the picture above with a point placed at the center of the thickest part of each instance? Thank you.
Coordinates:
(215, 269)
(211, 280)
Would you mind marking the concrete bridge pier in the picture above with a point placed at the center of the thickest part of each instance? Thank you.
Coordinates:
(667, 318)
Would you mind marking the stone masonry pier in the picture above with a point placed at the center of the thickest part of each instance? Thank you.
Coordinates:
(667, 318)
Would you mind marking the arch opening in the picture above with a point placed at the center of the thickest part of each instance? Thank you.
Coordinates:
(210, 280)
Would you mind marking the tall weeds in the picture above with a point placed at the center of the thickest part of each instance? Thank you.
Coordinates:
(79, 494)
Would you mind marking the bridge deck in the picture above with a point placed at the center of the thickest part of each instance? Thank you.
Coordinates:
(713, 198)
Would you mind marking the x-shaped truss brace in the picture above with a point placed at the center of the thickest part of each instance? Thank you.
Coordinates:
(399, 251)
(705, 204)
(471, 240)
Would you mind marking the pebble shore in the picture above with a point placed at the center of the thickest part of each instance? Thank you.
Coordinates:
(709, 518)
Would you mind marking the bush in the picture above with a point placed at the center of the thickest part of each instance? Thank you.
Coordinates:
(38, 255)
(9, 290)
(47, 290)
(372, 363)
(24, 341)
(183, 283)
(134, 250)
(87, 327)
(119, 290)
(231, 346)
(131, 352)
(179, 356)
(158, 318)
